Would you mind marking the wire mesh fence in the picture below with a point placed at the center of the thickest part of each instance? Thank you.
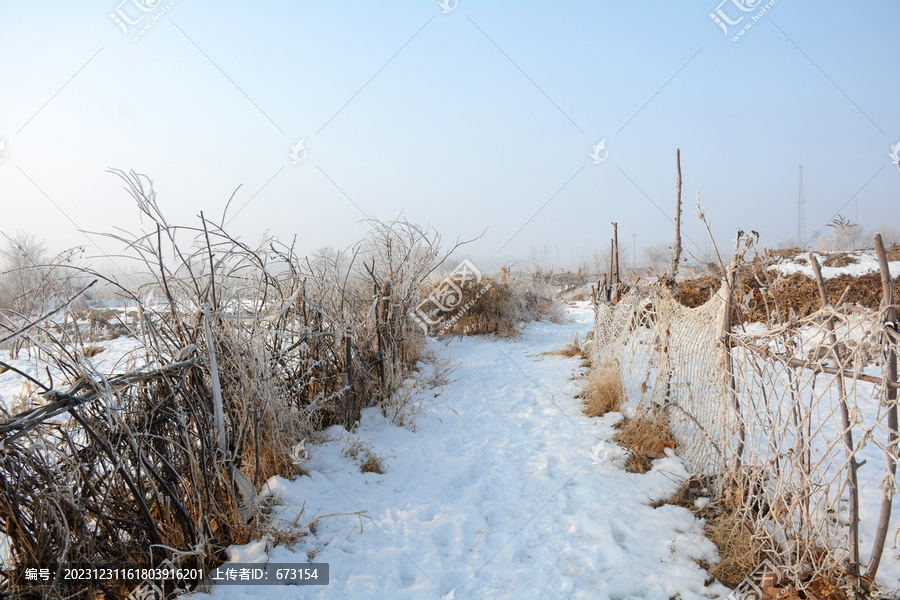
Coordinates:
(670, 358)
(795, 419)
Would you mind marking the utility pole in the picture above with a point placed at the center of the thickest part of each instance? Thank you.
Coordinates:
(801, 214)
(634, 249)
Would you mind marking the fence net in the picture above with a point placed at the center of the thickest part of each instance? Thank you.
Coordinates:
(788, 419)
(670, 356)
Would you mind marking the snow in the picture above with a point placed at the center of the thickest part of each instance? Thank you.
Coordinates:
(505, 490)
(867, 263)
(120, 355)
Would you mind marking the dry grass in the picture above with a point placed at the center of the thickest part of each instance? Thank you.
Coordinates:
(288, 534)
(731, 523)
(278, 532)
(739, 554)
(91, 351)
(485, 307)
(500, 305)
(364, 452)
(247, 367)
(405, 405)
(571, 350)
(840, 259)
(280, 429)
(893, 253)
(603, 391)
(696, 292)
(645, 439)
(790, 252)
(104, 325)
(795, 292)
(373, 465)
(687, 495)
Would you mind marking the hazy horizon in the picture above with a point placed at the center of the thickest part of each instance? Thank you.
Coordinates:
(464, 116)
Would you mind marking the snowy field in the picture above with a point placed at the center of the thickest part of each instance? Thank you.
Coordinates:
(502, 492)
(866, 263)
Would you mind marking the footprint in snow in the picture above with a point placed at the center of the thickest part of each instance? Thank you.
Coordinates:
(425, 513)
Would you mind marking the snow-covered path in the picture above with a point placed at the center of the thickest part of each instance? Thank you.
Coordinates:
(499, 493)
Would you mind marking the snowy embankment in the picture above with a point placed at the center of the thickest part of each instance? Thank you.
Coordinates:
(501, 492)
(864, 262)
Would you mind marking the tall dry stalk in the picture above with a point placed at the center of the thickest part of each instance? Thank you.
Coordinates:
(240, 361)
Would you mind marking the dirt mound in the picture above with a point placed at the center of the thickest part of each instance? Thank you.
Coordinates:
(786, 293)
(840, 259)
(893, 253)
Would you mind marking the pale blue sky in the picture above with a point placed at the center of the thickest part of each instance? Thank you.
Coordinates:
(470, 119)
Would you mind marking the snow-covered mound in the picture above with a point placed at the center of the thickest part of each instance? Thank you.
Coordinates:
(858, 263)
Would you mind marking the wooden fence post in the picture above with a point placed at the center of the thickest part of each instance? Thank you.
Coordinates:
(676, 251)
(347, 380)
(616, 256)
(388, 334)
(612, 278)
(379, 333)
(848, 431)
(730, 383)
(890, 374)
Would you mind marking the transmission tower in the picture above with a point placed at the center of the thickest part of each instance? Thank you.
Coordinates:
(801, 214)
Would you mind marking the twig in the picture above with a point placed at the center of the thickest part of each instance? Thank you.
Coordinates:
(46, 316)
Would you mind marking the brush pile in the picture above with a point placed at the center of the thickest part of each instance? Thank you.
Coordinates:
(245, 353)
(769, 296)
(503, 304)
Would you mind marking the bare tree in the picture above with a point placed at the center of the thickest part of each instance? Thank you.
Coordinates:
(658, 255)
(858, 236)
(23, 277)
(844, 226)
(889, 233)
